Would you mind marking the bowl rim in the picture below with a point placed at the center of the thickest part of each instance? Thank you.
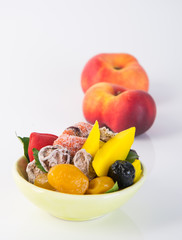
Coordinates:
(17, 175)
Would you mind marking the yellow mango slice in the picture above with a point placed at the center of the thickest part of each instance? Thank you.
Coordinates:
(116, 148)
(101, 143)
(138, 169)
(92, 143)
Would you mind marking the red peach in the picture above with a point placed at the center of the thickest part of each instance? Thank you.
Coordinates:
(118, 108)
(122, 69)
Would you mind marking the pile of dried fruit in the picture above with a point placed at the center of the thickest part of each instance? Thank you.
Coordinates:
(84, 159)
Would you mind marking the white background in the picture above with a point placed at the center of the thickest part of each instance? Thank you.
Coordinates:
(44, 46)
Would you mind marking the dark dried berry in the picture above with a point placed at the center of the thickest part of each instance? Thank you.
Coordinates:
(123, 172)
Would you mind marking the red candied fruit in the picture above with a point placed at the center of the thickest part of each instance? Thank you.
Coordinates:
(85, 128)
(74, 137)
(72, 143)
(38, 141)
(80, 129)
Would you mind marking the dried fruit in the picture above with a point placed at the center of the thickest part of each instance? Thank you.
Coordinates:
(32, 171)
(106, 134)
(38, 141)
(80, 129)
(50, 156)
(72, 143)
(42, 181)
(100, 185)
(67, 178)
(82, 152)
(85, 128)
(116, 148)
(122, 172)
(83, 161)
(101, 144)
(138, 169)
(74, 137)
(92, 143)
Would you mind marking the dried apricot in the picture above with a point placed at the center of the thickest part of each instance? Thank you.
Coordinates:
(67, 178)
(42, 181)
(100, 185)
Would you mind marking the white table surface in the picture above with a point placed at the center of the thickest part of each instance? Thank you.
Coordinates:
(44, 46)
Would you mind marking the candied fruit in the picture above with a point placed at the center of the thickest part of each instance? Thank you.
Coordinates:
(80, 129)
(122, 172)
(100, 185)
(72, 143)
(138, 169)
(92, 143)
(32, 171)
(106, 134)
(50, 156)
(39, 140)
(83, 161)
(116, 148)
(42, 181)
(67, 178)
(84, 127)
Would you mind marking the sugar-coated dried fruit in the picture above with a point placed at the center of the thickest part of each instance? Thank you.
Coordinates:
(50, 156)
(83, 161)
(80, 129)
(100, 185)
(74, 137)
(67, 178)
(42, 181)
(73, 131)
(72, 143)
(122, 172)
(106, 134)
(32, 171)
(85, 128)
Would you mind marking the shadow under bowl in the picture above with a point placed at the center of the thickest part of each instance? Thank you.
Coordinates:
(69, 206)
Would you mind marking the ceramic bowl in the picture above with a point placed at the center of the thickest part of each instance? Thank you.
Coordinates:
(68, 206)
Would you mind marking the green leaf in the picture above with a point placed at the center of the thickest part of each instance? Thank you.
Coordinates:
(25, 141)
(37, 162)
(114, 188)
(132, 155)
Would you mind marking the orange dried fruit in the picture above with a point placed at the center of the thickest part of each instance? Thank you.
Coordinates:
(42, 181)
(100, 185)
(67, 178)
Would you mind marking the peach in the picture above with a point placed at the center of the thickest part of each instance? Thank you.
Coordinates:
(122, 69)
(118, 108)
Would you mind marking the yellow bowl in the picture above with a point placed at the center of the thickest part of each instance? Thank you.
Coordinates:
(68, 206)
